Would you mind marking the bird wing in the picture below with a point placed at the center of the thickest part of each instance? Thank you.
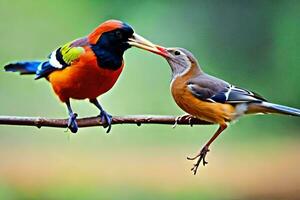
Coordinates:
(62, 57)
(208, 88)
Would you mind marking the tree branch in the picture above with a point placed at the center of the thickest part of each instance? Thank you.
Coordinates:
(96, 121)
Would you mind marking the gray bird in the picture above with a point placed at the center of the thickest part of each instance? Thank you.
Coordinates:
(212, 99)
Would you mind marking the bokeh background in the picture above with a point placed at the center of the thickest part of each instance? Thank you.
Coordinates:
(253, 44)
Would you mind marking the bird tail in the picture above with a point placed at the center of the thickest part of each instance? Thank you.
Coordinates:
(266, 107)
(26, 67)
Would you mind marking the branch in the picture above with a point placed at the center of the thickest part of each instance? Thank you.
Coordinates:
(96, 121)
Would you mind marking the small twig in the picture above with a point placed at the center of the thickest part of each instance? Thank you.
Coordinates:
(96, 121)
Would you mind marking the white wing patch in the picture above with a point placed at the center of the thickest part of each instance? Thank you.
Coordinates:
(53, 61)
(228, 92)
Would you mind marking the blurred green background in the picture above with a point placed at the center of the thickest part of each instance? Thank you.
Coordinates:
(253, 44)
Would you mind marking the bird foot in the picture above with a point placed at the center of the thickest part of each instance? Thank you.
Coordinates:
(106, 119)
(72, 124)
(184, 117)
(201, 157)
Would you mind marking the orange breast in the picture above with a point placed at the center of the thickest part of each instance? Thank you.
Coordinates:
(208, 111)
(83, 79)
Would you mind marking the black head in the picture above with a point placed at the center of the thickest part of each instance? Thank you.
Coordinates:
(112, 38)
(116, 40)
(111, 46)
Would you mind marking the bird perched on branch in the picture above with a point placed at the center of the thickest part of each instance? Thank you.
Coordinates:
(87, 67)
(212, 99)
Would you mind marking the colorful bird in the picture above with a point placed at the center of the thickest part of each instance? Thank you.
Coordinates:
(86, 67)
(212, 99)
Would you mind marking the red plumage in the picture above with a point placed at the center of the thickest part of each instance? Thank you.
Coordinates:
(83, 79)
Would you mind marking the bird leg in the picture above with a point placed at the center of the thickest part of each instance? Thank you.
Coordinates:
(106, 118)
(203, 152)
(72, 124)
(202, 155)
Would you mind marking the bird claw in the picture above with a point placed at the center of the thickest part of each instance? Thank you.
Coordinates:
(183, 117)
(106, 119)
(176, 121)
(72, 124)
(201, 157)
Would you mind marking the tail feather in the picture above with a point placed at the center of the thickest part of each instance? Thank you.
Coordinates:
(27, 67)
(276, 108)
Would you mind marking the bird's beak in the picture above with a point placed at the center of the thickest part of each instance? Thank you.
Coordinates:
(140, 42)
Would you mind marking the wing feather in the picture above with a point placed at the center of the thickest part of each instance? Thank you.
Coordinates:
(62, 57)
(226, 94)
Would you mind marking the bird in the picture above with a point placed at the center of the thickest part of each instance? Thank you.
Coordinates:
(87, 67)
(211, 99)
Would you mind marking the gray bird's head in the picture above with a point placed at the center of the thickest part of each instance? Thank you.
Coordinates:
(181, 61)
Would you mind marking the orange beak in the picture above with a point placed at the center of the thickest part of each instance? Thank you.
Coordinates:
(140, 42)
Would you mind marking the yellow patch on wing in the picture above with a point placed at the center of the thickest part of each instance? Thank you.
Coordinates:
(70, 54)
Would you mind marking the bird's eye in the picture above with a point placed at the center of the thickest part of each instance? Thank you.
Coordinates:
(177, 53)
(118, 34)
